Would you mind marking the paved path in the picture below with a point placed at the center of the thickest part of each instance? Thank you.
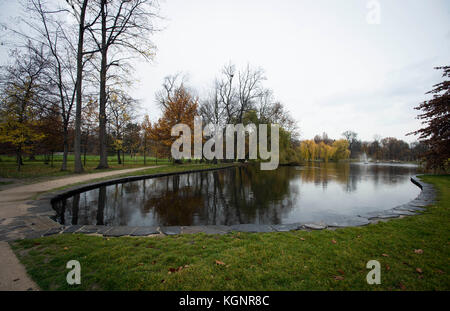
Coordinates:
(14, 215)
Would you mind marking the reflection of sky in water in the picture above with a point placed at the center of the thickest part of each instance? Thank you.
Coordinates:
(245, 195)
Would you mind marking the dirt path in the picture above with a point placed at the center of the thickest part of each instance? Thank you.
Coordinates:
(13, 206)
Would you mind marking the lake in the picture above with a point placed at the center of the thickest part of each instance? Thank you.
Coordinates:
(242, 195)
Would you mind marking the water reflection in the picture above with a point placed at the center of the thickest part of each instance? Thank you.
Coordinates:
(244, 195)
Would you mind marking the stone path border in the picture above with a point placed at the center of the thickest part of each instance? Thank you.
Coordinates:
(414, 207)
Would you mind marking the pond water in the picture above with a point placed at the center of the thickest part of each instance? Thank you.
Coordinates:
(242, 195)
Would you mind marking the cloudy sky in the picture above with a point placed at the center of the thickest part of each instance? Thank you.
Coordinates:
(332, 69)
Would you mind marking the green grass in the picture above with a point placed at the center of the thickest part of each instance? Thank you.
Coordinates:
(297, 260)
(35, 170)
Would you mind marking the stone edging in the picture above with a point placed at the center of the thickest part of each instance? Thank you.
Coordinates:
(43, 208)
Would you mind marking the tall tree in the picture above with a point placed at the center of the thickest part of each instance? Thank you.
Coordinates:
(80, 11)
(436, 116)
(124, 30)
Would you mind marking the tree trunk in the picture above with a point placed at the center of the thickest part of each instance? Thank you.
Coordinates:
(119, 161)
(19, 158)
(77, 139)
(102, 110)
(85, 146)
(66, 148)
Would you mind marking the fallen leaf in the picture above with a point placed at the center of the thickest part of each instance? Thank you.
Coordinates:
(37, 243)
(341, 271)
(419, 270)
(338, 277)
(140, 264)
(333, 241)
(66, 248)
(418, 251)
(388, 267)
(302, 239)
(385, 255)
(203, 246)
(402, 286)
(163, 281)
(440, 271)
(420, 277)
(153, 262)
(218, 262)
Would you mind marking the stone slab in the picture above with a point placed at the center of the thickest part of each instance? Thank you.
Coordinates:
(72, 229)
(314, 226)
(144, 231)
(252, 228)
(88, 229)
(53, 231)
(120, 231)
(171, 230)
(287, 227)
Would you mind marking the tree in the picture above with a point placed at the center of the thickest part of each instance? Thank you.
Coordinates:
(50, 30)
(80, 11)
(436, 117)
(121, 109)
(182, 108)
(124, 26)
(341, 149)
(132, 138)
(146, 127)
(354, 144)
(19, 109)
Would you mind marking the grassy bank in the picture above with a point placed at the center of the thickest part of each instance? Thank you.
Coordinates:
(414, 255)
(38, 168)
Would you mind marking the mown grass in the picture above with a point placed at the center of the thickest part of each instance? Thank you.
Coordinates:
(318, 260)
(38, 169)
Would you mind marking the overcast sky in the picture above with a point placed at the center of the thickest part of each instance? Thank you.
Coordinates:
(332, 69)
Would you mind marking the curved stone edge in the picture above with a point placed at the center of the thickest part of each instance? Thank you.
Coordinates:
(414, 207)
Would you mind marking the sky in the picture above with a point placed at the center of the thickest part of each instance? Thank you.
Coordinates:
(332, 64)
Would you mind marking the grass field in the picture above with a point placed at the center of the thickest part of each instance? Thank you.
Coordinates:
(37, 168)
(414, 255)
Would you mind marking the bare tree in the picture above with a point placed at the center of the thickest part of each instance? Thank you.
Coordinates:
(80, 11)
(123, 30)
(249, 89)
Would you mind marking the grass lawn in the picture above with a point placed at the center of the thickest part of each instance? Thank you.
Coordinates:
(414, 255)
(38, 169)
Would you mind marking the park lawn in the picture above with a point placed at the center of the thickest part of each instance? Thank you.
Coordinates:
(36, 170)
(414, 255)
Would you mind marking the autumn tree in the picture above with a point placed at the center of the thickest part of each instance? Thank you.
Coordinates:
(120, 112)
(436, 116)
(21, 90)
(182, 108)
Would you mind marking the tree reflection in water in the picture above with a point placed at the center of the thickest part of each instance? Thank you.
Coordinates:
(242, 195)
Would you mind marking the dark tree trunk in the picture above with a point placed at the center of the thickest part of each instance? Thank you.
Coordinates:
(119, 161)
(102, 106)
(19, 158)
(66, 148)
(77, 139)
